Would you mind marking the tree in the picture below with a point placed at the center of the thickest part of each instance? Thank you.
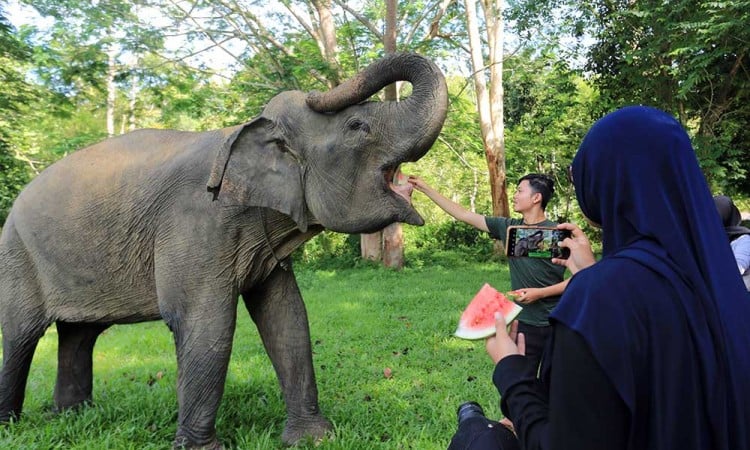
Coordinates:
(406, 27)
(688, 58)
(549, 109)
(393, 236)
(490, 97)
(16, 95)
(91, 39)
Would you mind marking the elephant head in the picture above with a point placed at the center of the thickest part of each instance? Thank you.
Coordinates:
(330, 158)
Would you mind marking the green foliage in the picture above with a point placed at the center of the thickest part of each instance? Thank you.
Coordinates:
(330, 250)
(13, 176)
(550, 109)
(174, 96)
(430, 243)
(686, 58)
(15, 97)
(361, 322)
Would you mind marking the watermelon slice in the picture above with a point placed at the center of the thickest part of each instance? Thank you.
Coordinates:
(478, 319)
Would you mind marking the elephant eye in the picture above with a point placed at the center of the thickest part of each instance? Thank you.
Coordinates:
(357, 124)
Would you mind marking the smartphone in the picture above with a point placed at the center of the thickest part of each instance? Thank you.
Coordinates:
(536, 242)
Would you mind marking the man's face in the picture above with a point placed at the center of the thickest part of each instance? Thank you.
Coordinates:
(525, 198)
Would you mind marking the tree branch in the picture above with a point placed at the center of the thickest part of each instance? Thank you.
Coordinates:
(435, 24)
(362, 19)
(206, 33)
(301, 20)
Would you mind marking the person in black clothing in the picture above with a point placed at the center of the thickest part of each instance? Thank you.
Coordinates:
(649, 349)
(739, 236)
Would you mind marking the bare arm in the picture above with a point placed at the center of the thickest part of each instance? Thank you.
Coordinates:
(530, 295)
(449, 206)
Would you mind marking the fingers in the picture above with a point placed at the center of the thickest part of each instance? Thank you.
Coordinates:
(500, 323)
(417, 182)
(525, 296)
(566, 226)
(517, 337)
(576, 235)
(489, 346)
(507, 424)
(560, 262)
(521, 343)
(513, 329)
(501, 344)
(574, 229)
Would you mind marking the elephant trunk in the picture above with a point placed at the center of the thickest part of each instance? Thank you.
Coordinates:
(419, 117)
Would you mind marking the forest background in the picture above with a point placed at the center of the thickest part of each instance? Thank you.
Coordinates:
(544, 69)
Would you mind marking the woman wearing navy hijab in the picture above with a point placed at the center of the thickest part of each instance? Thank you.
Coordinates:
(651, 346)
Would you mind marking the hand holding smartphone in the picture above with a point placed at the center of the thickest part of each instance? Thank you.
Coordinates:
(581, 254)
(536, 242)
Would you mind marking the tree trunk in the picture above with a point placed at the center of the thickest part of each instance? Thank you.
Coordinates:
(490, 100)
(111, 90)
(393, 236)
(133, 97)
(389, 241)
(327, 43)
(371, 246)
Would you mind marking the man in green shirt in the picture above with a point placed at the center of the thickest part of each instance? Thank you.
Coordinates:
(538, 282)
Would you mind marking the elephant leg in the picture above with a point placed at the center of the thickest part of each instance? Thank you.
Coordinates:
(23, 322)
(279, 313)
(19, 343)
(203, 338)
(74, 363)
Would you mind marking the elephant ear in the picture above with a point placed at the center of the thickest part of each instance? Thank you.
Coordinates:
(256, 167)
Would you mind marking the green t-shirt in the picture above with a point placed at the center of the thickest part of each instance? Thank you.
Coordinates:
(529, 272)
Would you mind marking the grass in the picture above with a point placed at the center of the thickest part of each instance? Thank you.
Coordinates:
(362, 321)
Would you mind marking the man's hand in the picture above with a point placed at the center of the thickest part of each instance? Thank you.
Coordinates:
(581, 255)
(504, 342)
(418, 183)
(526, 296)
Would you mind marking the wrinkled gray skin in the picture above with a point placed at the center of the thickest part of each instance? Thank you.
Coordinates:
(126, 231)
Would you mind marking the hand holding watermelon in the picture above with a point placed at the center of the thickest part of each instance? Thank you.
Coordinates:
(505, 342)
(525, 296)
(487, 316)
(478, 319)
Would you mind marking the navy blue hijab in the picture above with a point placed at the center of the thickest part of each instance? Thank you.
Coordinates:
(664, 312)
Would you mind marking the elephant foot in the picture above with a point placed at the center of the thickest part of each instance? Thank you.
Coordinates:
(71, 405)
(300, 430)
(7, 418)
(183, 443)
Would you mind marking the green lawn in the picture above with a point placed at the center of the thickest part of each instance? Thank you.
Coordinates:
(362, 321)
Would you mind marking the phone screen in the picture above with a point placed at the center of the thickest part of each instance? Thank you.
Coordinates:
(536, 242)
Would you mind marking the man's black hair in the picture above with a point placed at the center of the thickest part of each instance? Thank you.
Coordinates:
(541, 184)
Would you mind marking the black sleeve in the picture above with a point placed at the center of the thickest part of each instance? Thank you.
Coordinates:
(577, 408)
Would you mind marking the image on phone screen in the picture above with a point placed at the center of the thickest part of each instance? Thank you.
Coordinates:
(536, 242)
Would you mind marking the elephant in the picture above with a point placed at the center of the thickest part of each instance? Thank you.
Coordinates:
(177, 226)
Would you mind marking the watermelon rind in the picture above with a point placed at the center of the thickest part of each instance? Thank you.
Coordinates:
(465, 333)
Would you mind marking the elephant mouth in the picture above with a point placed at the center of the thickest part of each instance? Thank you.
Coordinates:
(397, 183)
(397, 186)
